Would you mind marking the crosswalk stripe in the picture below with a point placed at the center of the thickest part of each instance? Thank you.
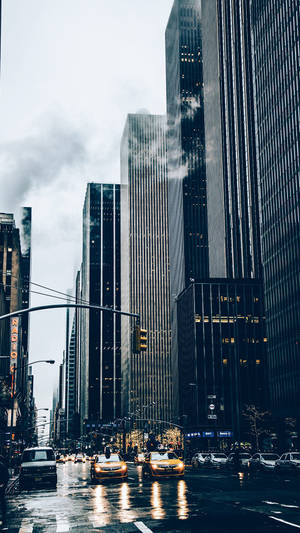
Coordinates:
(142, 527)
(62, 526)
(26, 526)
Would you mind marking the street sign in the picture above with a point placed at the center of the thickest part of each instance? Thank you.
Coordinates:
(212, 407)
(208, 433)
(212, 417)
(225, 434)
(211, 396)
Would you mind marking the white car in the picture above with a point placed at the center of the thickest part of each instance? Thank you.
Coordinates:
(199, 459)
(243, 459)
(263, 461)
(80, 458)
(288, 462)
(38, 466)
(216, 459)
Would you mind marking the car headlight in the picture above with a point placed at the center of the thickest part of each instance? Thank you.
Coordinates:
(98, 468)
(124, 467)
(154, 467)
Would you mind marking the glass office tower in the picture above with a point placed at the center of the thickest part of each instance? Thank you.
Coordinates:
(186, 145)
(100, 335)
(146, 377)
(275, 32)
(222, 347)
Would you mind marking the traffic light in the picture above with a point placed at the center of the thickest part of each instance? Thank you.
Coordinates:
(140, 339)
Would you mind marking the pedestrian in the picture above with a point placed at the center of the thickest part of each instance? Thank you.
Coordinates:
(4, 476)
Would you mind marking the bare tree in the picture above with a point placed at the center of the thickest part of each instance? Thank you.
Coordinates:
(258, 422)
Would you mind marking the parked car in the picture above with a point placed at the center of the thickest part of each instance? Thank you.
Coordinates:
(238, 460)
(60, 458)
(216, 459)
(199, 459)
(288, 462)
(38, 466)
(263, 461)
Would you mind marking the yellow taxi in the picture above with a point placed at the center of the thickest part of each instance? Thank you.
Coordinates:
(60, 459)
(108, 466)
(162, 463)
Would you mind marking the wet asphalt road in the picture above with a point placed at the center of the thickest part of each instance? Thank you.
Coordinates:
(205, 501)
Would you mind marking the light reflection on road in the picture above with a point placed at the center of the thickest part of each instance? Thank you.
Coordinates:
(101, 507)
(183, 509)
(126, 513)
(157, 511)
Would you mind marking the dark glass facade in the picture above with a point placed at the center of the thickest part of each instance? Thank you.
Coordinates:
(146, 377)
(186, 146)
(26, 273)
(221, 346)
(275, 32)
(100, 357)
(242, 238)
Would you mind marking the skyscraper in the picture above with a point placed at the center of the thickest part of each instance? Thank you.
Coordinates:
(188, 237)
(230, 139)
(100, 359)
(146, 377)
(275, 32)
(208, 54)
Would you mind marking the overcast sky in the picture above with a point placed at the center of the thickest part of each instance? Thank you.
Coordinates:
(71, 71)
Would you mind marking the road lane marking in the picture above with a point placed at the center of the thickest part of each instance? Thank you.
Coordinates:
(26, 526)
(141, 526)
(289, 506)
(285, 522)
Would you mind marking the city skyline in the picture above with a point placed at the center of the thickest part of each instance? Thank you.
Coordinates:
(70, 140)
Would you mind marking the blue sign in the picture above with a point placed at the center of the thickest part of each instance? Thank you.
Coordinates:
(208, 433)
(225, 434)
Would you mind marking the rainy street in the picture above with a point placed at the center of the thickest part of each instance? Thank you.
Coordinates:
(207, 500)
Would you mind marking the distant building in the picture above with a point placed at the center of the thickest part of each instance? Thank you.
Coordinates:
(71, 378)
(146, 377)
(222, 347)
(275, 32)
(12, 283)
(100, 335)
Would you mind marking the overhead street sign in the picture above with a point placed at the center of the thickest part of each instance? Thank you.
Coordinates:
(212, 417)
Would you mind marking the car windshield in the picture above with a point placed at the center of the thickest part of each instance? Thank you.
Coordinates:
(270, 456)
(162, 456)
(219, 455)
(295, 456)
(30, 456)
(114, 458)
